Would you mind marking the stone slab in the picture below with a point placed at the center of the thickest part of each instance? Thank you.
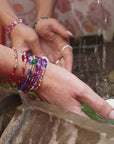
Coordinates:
(42, 123)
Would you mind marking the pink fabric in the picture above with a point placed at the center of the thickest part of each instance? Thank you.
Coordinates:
(87, 17)
(81, 17)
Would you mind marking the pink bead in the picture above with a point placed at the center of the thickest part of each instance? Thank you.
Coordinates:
(13, 24)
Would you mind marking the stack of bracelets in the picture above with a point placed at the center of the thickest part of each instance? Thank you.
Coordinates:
(37, 66)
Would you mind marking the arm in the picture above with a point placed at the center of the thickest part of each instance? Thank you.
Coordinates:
(22, 36)
(6, 13)
(45, 8)
(53, 35)
(59, 86)
(7, 63)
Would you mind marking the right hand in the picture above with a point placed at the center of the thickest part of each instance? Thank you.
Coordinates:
(65, 90)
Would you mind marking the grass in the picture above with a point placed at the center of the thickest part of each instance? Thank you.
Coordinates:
(88, 111)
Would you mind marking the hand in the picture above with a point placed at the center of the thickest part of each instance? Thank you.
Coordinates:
(25, 38)
(65, 90)
(53, 36)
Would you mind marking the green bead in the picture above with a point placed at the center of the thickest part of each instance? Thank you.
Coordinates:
(34, 62)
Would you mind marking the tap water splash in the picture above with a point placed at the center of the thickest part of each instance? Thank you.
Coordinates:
(104, 57)
(96, 53)
(103, 20)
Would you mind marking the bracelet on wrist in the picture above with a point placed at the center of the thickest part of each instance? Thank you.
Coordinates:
(13, 24)
(34, 25)
(37, 66)
(36, 69)
(14, 69)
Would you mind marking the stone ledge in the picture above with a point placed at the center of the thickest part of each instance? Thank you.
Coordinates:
(9, 100)
(42, 123)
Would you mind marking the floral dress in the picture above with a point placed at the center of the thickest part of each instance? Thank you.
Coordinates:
(81, 17)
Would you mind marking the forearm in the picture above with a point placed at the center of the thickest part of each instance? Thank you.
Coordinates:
(26, 69)
(45, 8)
(6, 13)
(7, 63)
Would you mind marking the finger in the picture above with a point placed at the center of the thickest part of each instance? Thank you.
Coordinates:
(98, 104)
(62, 63)
(68, 58)
(67, 54)
(60, 29)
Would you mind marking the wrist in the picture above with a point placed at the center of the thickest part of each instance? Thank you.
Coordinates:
(43, 14)
(13, 24)
(27, 70)
(40, 18)
(36, 71)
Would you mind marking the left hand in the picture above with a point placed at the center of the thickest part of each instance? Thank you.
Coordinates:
(53, 37)
(24, 38)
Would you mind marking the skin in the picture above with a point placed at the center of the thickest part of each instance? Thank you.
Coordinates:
(58, 87)
(53, 35)
(24, 38)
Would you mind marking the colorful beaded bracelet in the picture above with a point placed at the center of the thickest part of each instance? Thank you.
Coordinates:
(37, 66)
(35, 76)
(24, 60)
(39, 71)
(23, 87)
(34, 25)
(42, 74)
(13, 24)
(14, 69)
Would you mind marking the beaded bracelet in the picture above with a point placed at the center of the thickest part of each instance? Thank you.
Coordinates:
(42, 74)
(29, 75)
(24, 60)
(34, 25)
(37, 66)
(35, 76)
(13, 24)
(14, 69)
(39, 71)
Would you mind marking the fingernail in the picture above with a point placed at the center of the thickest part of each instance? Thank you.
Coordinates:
(111, 115)
(69, 33)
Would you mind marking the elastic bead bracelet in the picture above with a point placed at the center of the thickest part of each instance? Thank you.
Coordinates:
(24, 60)
(23, 87)
(14, 69)
(34, 62)
(30, 59)
(42, 74)
(37, 66)
(34, 25)
(13, 24)
(34, 82)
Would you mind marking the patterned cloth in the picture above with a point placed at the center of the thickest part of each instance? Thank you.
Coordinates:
(81, 17)
(87, 17)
